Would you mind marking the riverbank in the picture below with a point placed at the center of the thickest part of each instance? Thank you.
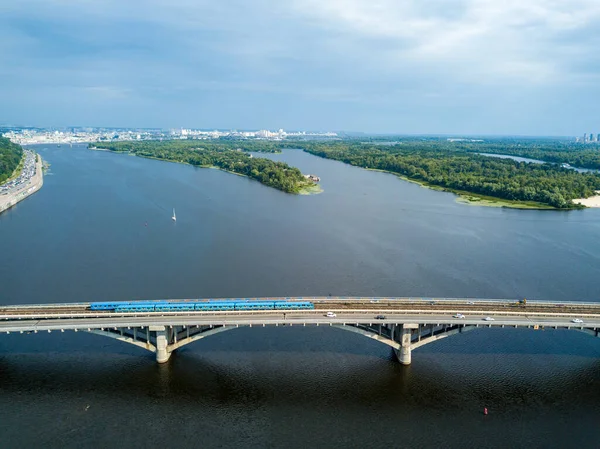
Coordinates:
(473, 199)
(37, 181)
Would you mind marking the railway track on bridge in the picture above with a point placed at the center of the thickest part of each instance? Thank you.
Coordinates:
(49, 314)
(376, 305)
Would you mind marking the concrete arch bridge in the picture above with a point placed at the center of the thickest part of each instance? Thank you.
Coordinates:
(404, 324)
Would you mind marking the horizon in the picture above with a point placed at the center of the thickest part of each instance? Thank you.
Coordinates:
(466, 67)
(295, 130)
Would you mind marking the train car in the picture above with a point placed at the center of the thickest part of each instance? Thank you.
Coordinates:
(255, 305)
(174, 306)
(136, 307)
(287, 305)
(106, 305)
(214, 306)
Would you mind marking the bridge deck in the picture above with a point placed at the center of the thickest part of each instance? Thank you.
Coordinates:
(401, 323)
(107, 320)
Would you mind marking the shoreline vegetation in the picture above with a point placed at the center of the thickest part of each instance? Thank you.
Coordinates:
(472, 199)
(11, 160)
(228, 156)
(476, 179)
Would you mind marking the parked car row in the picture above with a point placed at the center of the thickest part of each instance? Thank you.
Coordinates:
(27, 173)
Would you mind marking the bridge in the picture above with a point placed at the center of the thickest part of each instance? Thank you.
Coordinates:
(404, 324)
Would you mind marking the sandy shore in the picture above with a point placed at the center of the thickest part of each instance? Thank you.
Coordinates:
(592, 201)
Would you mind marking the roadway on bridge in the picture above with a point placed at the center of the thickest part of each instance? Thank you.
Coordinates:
(292, 319)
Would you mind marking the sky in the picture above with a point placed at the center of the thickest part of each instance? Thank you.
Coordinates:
(527, 67)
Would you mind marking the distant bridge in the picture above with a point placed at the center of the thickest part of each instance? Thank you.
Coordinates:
(401, 323)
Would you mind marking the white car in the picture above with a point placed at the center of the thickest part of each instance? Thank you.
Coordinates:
(470, 303)
(458, 315)
(489, 318)
(577, 320)
(330, 315)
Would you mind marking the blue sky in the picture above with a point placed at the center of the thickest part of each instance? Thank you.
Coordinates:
(392, 66)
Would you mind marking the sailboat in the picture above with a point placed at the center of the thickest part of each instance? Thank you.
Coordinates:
(174, 217)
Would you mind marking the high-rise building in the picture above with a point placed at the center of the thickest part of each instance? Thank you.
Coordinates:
(585, 138)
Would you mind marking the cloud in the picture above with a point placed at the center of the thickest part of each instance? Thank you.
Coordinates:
(362, 64)
(474, 40)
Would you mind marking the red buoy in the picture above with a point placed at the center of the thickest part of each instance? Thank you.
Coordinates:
(485, 412)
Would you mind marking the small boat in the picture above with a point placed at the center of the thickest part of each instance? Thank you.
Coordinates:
(174, 217)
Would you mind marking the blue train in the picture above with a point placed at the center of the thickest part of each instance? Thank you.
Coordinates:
(206, 306)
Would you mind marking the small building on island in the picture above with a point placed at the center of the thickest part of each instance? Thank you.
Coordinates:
(313, 178)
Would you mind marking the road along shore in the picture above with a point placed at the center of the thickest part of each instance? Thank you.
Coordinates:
(33, 185)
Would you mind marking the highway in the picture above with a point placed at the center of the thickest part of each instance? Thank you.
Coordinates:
(277, 319)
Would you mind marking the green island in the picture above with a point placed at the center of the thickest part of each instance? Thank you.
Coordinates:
(231, 156)
(11, 160)
(476, 178)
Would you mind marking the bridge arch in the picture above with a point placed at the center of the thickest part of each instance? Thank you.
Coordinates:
(402, 338)
(161, 340)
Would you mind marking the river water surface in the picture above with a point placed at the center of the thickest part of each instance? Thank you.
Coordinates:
(101, 229)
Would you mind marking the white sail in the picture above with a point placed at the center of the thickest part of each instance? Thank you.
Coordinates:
(174, 217)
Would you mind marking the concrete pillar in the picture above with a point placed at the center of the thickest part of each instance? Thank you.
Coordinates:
(162, 344)
(404, 353)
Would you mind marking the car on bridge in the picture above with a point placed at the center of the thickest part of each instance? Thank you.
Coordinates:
(458, 315)
(330, 315)
(380, 317)
(489, 318)
(577, 320)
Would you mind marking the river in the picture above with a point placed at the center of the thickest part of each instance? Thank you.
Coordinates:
(101, 228)
(537, 161)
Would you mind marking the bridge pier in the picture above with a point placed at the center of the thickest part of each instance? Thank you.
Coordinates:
(162, 343)
(404, 353)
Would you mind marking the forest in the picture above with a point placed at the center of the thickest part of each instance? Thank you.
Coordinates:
(558, 151)
(458, 169)
(229, 156)
(10, 157)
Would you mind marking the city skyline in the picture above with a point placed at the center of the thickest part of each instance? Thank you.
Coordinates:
(468, 67)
